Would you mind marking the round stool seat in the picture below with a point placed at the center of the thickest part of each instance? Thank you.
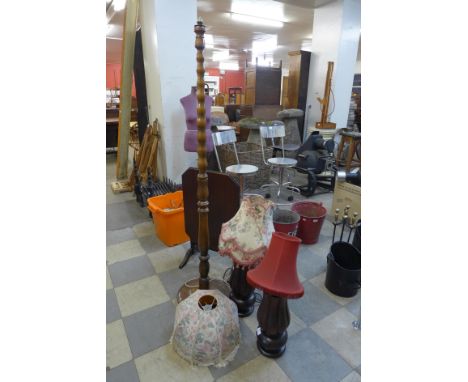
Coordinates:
(290, 113)
(282, 162)
(351, 134)
(225, 127)
(242, 169)
(287, 147)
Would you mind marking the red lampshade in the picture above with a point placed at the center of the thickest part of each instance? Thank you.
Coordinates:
(277, 274)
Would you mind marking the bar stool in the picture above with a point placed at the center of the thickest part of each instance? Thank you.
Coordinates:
(273, 131)
(240, 170)
(291, 118)
(353, 138)
(289, 148)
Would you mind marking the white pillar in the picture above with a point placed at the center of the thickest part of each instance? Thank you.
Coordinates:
(335, 37)
(126, 79)
(170, 69)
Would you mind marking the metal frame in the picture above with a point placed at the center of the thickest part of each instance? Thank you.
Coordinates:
(275, 130)
(223, 138)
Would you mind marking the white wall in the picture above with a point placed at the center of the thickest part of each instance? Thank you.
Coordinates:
(357, 68)
(336, 31)
(170, 68)
(346, 61)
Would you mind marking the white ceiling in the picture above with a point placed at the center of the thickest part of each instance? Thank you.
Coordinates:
(238, 37)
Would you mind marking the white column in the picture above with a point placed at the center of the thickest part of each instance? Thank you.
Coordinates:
(126, 78)
(335, 37)
(170, 69)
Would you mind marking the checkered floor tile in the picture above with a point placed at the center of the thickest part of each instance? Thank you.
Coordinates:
(142, 279)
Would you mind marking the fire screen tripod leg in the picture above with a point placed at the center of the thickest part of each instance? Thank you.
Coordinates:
(190, 252)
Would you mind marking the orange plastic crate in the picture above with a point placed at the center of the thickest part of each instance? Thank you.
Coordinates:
(168, 217)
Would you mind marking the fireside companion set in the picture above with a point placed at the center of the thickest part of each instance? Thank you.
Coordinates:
(261, 241)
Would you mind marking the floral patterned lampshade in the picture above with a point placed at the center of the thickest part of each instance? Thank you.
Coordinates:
(206, 330)
(245, 238)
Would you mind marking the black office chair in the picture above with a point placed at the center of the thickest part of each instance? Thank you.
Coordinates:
(314, 158)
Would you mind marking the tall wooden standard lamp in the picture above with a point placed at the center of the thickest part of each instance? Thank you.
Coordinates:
(203, 281)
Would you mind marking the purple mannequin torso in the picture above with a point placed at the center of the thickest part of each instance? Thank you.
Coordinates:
(189, 103)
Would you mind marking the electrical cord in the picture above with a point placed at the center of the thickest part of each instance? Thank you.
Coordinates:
(227, 274)
(227, 277)
(258, 297)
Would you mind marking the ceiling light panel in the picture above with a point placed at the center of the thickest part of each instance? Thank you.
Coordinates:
(268, 44)
(119, 5)
(256, 20)
(209, 41)
(275, 11)
(229, 65)
(221, 55)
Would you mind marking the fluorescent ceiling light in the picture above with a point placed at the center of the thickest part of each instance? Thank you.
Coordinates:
(229, 65)
(221, 55)
(274, 10)
(256, 20)
(209, 41)
(264, 45)
(119, 5)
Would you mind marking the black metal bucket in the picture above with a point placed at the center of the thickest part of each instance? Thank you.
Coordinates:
(343, 276)
(357, 237)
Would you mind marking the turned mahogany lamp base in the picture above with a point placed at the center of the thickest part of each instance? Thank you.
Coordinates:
(242, 294)
(273, 320)
(277, 276)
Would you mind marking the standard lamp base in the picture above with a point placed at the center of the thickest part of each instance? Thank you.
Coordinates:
(191, 286)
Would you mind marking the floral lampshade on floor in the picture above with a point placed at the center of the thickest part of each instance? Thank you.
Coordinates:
(206, 330)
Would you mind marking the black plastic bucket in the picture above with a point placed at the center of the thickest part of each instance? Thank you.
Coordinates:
(343, 276)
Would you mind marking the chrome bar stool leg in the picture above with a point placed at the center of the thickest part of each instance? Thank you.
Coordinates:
(241, 186)
(280, 181)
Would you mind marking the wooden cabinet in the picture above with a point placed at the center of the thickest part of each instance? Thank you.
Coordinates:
(298, 82)
(262, 85)
(250, 86)
(284, 93)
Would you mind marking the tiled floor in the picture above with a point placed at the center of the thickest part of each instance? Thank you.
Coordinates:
(142, 279)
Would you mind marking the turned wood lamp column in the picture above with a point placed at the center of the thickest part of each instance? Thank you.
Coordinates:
(202, 177)
(204, 282)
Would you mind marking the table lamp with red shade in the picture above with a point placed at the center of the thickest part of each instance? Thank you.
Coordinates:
(277, 277)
